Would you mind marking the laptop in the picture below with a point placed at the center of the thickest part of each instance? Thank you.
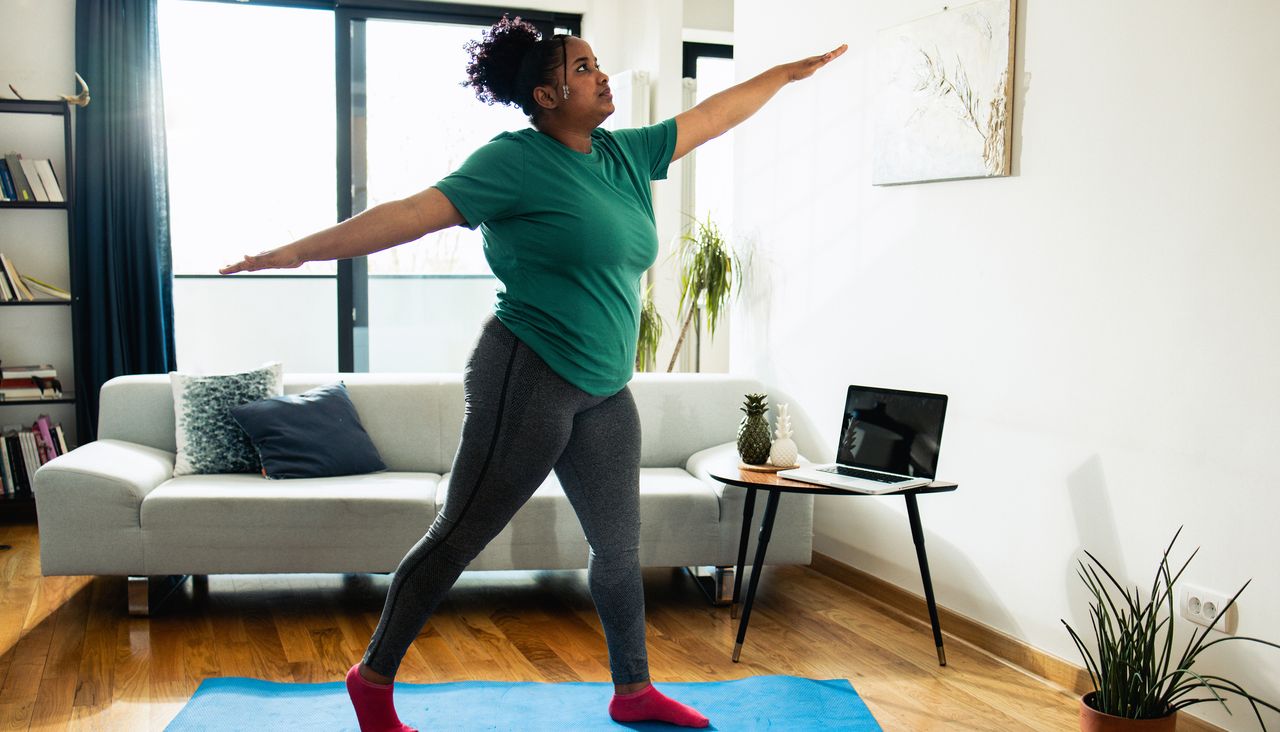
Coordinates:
(889, 441)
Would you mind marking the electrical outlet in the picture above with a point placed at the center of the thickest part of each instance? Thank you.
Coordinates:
(1204, 607)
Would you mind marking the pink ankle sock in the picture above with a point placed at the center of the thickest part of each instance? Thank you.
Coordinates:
(374, 708)
(650, 704)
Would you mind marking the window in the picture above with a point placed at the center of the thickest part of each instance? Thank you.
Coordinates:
(713, 187)
(255, 125)
(708, 185)
(250, 121)
(414, 125)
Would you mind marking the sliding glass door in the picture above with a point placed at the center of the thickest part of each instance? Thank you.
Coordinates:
(417, 306)
(286, 117)
(412, 123)
(249, 120)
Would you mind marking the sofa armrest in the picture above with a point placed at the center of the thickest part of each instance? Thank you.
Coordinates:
(721, 457)
(88, 505)
(792, 540)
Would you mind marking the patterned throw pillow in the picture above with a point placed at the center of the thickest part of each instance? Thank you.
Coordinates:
(209, 440)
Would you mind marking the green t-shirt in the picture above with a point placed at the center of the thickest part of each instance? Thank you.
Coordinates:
(569, 235)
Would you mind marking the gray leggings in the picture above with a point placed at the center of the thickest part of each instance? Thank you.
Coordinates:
(522, 421)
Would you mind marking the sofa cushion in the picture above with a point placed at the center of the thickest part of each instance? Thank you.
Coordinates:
(210, 524)
(316, 434)
(679, 517)
(209, 441)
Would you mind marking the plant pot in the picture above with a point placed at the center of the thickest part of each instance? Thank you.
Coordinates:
(1091, 720)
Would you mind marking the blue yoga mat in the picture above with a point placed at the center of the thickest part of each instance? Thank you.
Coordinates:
(755, 703)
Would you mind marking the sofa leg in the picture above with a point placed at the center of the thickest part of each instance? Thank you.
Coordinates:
(146, 594)
(716, 583)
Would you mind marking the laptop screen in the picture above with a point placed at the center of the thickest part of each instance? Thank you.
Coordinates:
(893, 431)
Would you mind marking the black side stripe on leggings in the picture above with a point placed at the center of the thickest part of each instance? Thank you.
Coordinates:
(493, 445)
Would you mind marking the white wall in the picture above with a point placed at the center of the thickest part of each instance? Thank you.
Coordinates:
(708, 15)
(1104, 321)
(38, 57)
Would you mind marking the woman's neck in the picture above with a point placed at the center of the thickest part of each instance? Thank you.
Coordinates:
(574, 139)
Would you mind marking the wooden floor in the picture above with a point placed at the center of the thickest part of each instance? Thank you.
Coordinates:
(71, 657)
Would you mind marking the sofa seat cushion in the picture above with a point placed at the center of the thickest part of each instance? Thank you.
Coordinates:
(208, 524)
(679, 517)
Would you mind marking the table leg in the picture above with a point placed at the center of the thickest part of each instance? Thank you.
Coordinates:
(762, 545)
(917, 535)
(748, 510)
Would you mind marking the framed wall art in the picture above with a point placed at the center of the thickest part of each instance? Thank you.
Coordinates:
(944, 93)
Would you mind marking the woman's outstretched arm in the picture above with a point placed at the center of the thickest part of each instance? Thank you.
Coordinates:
(381, 227)
(722, 112)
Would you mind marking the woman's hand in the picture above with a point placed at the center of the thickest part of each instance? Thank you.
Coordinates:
(285, 257)
(804, 68)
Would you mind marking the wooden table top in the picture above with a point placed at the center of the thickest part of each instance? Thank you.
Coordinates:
(770, 481)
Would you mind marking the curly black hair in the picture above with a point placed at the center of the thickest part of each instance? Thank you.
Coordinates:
(510, 61)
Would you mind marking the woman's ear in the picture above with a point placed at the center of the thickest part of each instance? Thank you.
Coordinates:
(543, 97)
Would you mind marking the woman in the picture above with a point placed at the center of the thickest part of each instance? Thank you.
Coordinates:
(569, 230)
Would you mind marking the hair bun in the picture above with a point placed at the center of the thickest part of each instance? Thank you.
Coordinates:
(495, 60)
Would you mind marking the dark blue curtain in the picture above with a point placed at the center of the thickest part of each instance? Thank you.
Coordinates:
(121, 269)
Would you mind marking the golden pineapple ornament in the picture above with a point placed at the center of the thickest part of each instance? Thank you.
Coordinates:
(753, 431)
(783, 453)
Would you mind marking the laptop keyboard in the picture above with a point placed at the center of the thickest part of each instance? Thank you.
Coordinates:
(868, 474)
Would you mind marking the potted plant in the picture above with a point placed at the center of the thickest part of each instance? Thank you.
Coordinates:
(709, 273)
(1138, 682)
(651, 327)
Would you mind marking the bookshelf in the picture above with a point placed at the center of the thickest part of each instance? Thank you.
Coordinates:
(42, 331)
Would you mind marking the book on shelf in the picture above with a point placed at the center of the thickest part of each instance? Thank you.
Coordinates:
(30, 179)
(44, 168)
(48, 289)
(14, 475)
(13, 285)
(44, 440)
(30, 170)
(24, 371)
(6, 475)
(11, 277)
(15, 279)
(26, 463)
(22, 189)
(36, 387)
(19, 390)
(24, 449)
(40, 446)
(7, 192)
(30, 455)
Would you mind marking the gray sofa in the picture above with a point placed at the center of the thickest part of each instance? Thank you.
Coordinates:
(113, 507)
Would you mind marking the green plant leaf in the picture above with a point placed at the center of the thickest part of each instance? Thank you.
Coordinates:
(651, 327)
(1123, 592)
(709, 272)
(1131, 663)
(1089, 664)
(1234, 688)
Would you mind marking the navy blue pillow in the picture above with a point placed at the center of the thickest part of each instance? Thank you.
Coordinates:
(315, 434)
